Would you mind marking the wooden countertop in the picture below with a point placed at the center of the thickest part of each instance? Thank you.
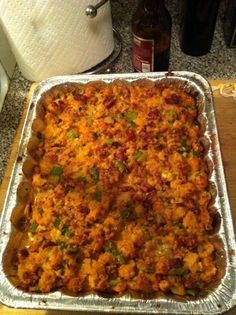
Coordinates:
(226, 117)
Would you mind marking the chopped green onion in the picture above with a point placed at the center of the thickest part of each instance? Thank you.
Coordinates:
(111, 248)
(114, 282)
(96, 134)
(109, 141)
(121, 167)
(120, 258)
(178, 271)
(56, 170)
(133, 124)
(40, 211)
(184, 146)
(195, 153)
(64, 263)
(138, 155)
(131, 115)
(56, 223)
(192, 292)
(179, 225)
(94, 174)
(62, 245)
(72, 249)
(128, 213)
(160, 219)
(54, 179)
(90, 121)
(82, 180)
(117, 116)
(72, 134)
(97, 195)
(33, 227)
(66, 231)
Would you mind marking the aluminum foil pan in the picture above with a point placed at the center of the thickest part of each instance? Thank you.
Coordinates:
(218, 301)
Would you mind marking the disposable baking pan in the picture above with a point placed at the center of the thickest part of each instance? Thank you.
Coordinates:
(219, 300)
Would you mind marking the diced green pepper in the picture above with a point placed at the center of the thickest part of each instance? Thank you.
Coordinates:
(179, 225)
(66, 231)
(120, 258)
(138, 155)
(121, 167)
(96, 134)
(90, 121)
(111, 248)
(184, 146)
(160, 219)
(133, 124)
(56, 170)
(56, 223)
(82, 180)
(178, 271)
(72, 249)
(40, 211)
(97, 195)
(128, 213)
(62, 245)
(109, 141)
(117, 116)
(195, 153)
(192, 292)
(94, 173)
(72, 134)
(114, 282)
(131, 115)
(33, 227)
(54, 179)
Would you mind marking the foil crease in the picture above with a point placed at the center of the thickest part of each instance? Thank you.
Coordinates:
(221, 299)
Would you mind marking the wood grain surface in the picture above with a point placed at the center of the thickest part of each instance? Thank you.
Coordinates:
(225, 109)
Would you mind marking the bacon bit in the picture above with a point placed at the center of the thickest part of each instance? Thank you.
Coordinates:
(61, 105)
(121, 154)
(79, 187)
(172, 99)
(52, 156)
(162, 231)
(102, 152)
(159, 277)
(125, 188)
(189, 242)
(154, 114)
(145, 136)
(109, 102)
(81, 98)
(130, 135)
(135, 105)
(83, 209)
(148, 93)
(23, 253)
(191, 282)
(175, 262)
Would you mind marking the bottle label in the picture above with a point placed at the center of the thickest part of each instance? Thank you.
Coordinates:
(143, 54)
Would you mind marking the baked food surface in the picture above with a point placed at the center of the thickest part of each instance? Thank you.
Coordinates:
(117, 196)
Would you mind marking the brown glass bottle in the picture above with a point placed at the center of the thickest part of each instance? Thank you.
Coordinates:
(151, 31)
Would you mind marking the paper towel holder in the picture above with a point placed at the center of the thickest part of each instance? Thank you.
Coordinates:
(92, 10)
(104, 66)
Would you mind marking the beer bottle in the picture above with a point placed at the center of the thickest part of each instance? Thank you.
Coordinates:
(151, 32)
(199, 25)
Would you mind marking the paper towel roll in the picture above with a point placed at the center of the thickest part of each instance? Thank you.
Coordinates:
(56, 37)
